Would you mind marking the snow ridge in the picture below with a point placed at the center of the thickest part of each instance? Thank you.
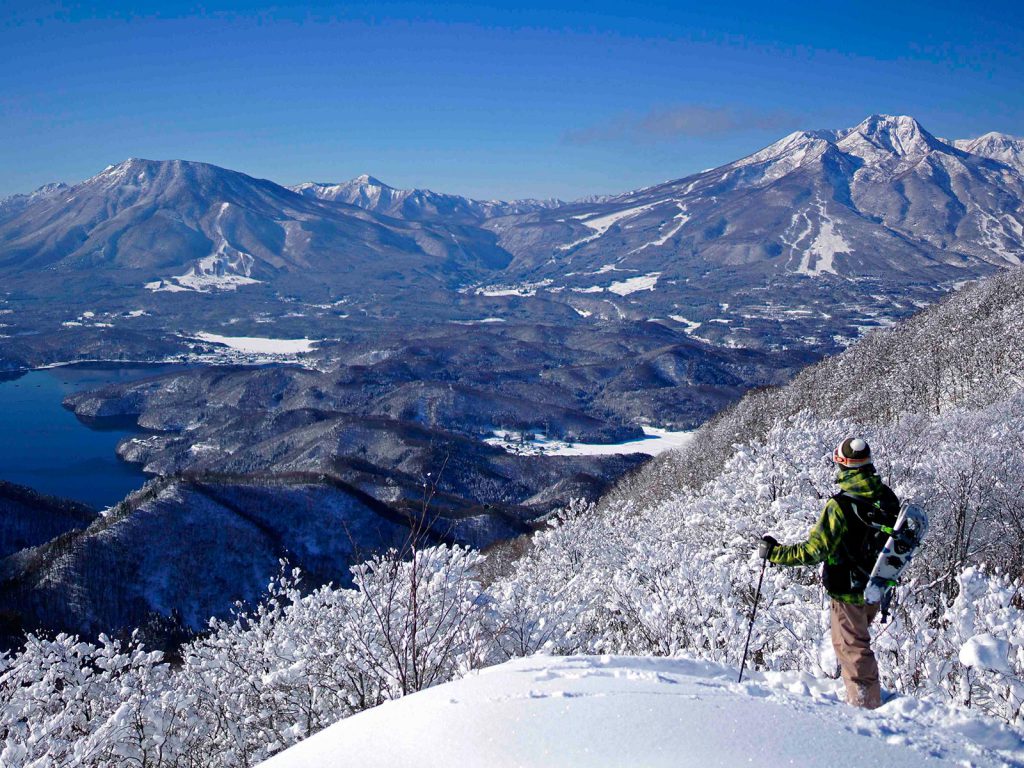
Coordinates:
(617, 710)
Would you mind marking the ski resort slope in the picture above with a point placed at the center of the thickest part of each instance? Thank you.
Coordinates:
(634, 711)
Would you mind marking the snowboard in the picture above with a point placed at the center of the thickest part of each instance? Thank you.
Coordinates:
(904, 540)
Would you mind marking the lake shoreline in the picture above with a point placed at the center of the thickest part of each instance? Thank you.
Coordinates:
(51, 450)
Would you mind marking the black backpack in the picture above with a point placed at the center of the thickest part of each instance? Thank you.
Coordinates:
(868, 525)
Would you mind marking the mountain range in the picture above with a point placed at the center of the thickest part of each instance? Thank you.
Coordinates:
(809, 241)
(431, 323)
(418, 204)
(814, 202)
(192, 226)
(884, 196)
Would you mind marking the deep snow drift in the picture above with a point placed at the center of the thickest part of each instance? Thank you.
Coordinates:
(623, 710)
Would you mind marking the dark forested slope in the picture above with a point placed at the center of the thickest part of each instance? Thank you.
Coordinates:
(963, 352)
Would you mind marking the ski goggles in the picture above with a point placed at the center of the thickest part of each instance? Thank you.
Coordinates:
(845, 461)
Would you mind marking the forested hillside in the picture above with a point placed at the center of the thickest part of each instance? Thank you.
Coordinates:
(31, 518)
(961, 353)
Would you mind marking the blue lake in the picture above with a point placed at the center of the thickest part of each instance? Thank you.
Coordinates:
(45, 446)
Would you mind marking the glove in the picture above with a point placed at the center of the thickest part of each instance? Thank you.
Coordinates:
(764, 549)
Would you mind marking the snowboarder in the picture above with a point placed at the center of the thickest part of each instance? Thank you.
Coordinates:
(848, 538)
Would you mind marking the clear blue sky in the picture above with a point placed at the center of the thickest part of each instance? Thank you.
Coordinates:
(483, 99)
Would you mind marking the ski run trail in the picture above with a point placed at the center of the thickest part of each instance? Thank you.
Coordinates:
(641, 711)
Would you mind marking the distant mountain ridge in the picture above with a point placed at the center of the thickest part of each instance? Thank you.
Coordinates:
(1008, 150)
(417, 204)
(883, 197)
(809, 241)
(193, 226)
(14, 203)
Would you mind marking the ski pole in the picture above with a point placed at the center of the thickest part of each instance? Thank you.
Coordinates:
(753, 613)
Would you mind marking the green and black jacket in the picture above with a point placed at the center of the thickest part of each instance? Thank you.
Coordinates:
(846, 537)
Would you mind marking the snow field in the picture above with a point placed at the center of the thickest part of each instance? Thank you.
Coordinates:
(591, 711)
(625, 287)
(634, 284)
(655, 442)
(226, 269)
(691, 325)
(818, 256)
(601, 224)
(259, 345)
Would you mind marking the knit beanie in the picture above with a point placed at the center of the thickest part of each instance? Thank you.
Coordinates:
(852, 453)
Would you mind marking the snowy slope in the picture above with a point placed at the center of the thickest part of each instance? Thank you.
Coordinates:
(621, 710)
(884, 197)
(1008, 150)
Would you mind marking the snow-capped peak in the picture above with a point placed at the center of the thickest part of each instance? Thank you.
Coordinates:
(126, 172)
(347, 191)
(899, 135)
(796, 143)
(996, 146)
(368, 180)
(371, 193)
(875, 138)
(115, 169)
(137, 171)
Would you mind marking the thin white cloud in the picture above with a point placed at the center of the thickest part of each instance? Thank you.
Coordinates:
(681, 120)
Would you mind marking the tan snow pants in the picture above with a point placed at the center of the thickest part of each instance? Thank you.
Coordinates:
(852, 641)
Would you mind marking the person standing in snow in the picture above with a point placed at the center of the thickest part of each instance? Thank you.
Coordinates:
(848, 536)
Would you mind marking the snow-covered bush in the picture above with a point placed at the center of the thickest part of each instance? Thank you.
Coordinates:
(987, 622)
(417, 622)
(255, 684)
(546, 607)
(299, 662)
(67, 702)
